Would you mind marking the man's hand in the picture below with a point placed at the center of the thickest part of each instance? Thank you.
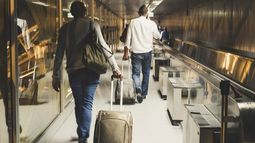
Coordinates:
(56, 84)
(125, 56)
(117, 73)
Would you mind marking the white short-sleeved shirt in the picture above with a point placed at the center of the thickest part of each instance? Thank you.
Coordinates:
(140, 35)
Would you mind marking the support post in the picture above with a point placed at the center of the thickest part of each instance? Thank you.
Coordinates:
(224, 87)
(92, 9)
(11, 34)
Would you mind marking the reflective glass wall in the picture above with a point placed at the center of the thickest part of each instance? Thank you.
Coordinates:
(3, 77)
(37, 32)
(65, 88)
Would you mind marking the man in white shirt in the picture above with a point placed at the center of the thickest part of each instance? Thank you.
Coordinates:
(139, 40)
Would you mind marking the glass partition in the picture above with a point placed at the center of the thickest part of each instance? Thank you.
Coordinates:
(3, 78)
(65, 87)
(37, 32)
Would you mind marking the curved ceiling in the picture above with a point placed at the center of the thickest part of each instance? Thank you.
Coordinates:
(128, 8)
(172, 6)
(125, 8)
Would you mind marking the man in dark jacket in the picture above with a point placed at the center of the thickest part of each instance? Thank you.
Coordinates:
(165, 35)
(83, 81)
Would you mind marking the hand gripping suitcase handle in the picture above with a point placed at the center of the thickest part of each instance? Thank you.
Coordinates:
(121, 92)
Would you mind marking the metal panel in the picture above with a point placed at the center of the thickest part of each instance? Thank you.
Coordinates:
(214, 66)
(239, 69)
(226, 25)
(221, 42)
(241, 101)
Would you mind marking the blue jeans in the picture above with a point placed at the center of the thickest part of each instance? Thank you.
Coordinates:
(141, 62)
(83, 84)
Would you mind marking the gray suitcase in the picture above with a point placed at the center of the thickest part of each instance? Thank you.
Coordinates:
(128, 89)
(114, 126)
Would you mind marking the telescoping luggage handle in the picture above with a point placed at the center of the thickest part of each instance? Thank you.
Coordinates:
(121, 92)
(129, 68)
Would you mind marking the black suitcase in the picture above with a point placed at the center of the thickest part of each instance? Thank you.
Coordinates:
(114, 126)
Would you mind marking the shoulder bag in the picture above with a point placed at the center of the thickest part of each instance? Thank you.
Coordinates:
(93, 54)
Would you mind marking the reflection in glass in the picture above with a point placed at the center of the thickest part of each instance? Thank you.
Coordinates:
(39, 104)
(3, 78)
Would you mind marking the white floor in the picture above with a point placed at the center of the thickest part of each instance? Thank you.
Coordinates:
(151, 122)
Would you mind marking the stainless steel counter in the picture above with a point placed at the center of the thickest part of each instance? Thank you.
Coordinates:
(214, 66)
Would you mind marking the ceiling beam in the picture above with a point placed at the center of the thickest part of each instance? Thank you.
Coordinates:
(108, 8)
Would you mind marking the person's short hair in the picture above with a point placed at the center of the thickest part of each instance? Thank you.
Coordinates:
(143, 10)
(78, 9)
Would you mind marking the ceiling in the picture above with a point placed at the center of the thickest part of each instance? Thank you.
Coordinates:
(128, 8)
(172, 6)
(125, 8)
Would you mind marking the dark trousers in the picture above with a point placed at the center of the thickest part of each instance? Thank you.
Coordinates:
(83, 84)
(141, 62)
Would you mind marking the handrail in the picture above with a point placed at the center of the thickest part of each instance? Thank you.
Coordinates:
(225, 65)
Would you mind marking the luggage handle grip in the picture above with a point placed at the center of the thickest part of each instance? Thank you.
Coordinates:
(115, 77)
(121, 92)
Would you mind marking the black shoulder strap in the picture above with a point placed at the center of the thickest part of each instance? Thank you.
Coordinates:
(92, 29)
(83, 38)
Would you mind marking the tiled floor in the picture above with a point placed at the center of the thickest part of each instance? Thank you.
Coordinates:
(151, 122)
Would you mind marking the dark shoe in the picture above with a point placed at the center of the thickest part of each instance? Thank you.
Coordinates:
(144, 96)
(139, 95)
(139, 98)
(20, 129)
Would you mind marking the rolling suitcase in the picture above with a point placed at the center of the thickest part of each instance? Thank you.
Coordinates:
(113, 126)
(128, 90)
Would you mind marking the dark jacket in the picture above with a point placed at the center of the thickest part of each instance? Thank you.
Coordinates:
(165, 36)
(69, 35)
